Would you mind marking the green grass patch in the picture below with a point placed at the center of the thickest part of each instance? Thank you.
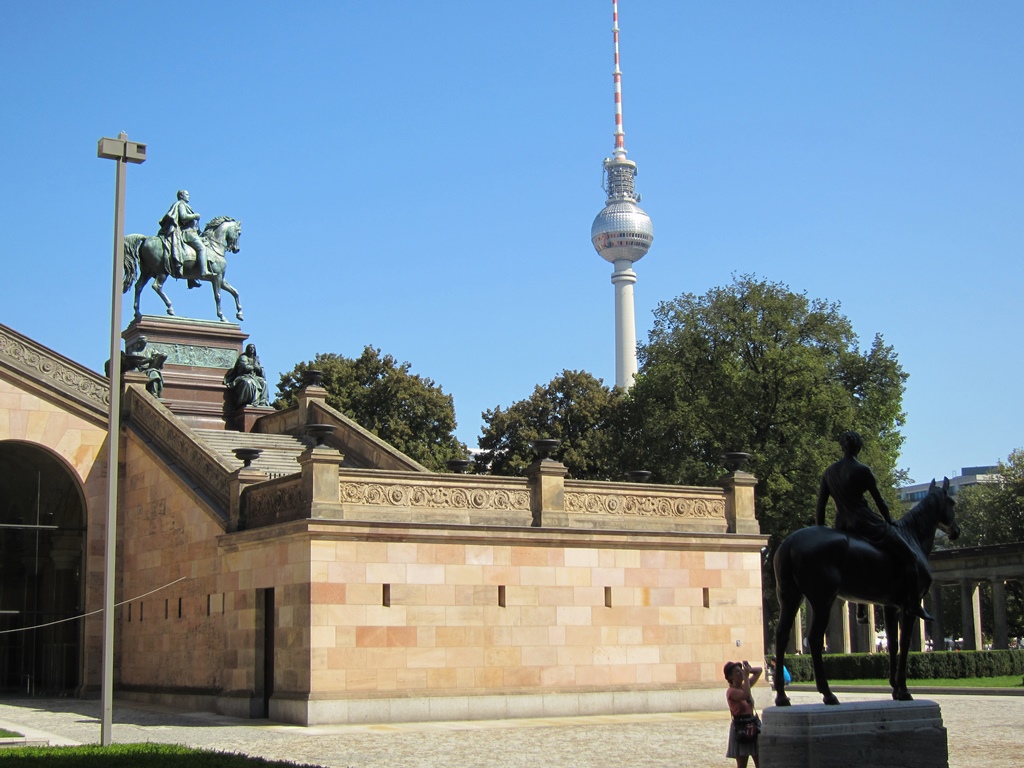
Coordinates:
(5, 734)
(1006, 681)
(133, 755)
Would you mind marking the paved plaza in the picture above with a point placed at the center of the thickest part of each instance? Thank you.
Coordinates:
(982, 730)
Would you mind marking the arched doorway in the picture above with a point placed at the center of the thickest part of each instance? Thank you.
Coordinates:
(42, 537)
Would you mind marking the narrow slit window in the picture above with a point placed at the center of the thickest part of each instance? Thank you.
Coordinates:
(386, 596)
(607, 597)
(501, 595)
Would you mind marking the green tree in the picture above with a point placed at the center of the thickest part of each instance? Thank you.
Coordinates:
(753, 366)
(574, 407)
(406, 410)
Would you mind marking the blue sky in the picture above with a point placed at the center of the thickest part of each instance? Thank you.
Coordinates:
(422, 177)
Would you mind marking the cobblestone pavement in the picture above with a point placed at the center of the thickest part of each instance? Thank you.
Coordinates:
(982, 730)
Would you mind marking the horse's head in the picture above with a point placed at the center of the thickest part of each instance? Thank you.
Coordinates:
(225, 231)
(946, 519)
(234, 231)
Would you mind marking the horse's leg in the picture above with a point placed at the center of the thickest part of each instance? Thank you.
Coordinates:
(891, 638)
(231, 289)
(158, 286)
(907, 621)
(139, 285)
(787, 614)
(816, 639)
(215, 284)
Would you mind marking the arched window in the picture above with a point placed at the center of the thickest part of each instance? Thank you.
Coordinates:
(42, 537)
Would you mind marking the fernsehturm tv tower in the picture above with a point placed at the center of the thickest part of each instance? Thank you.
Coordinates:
(622, 233)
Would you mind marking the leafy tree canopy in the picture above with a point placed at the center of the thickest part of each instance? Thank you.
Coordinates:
(753, 366)
(404, 409)
(574, 407)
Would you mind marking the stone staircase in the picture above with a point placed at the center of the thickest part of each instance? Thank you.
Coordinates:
(280, 452)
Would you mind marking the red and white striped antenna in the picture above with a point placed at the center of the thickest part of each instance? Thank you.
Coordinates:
(620, 135)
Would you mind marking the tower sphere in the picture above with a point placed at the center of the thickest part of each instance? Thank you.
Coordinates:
(622, 230)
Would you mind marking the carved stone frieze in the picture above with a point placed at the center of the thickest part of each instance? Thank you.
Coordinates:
(283, 501)
(196, 356)
(644, 506)
(435, 497)
(74, 381)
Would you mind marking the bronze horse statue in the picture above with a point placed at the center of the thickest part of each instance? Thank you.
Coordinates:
(821, 563)
(148, 258)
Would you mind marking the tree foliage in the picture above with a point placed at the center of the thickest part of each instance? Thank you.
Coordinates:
(753, 366)
(574, 407)
(404, 409)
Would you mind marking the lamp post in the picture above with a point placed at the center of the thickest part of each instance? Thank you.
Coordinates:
(122, 152)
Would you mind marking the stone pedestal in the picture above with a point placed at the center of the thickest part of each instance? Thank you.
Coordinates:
(547, 493)
(199, 352)
(880, 734)
(739, 502)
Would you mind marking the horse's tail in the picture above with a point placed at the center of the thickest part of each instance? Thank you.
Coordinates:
(132, 243)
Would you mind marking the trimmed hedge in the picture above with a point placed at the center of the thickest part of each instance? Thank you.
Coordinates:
(920, 666)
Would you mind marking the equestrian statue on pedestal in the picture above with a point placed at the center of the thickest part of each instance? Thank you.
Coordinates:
(866, 558)
(179, 250)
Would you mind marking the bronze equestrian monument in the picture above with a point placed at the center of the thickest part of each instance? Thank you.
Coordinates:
(866, 558)
(291, 564)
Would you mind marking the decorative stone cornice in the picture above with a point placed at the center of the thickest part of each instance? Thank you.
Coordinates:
(55, 372)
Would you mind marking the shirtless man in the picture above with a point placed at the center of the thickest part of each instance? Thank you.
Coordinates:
(846, 482)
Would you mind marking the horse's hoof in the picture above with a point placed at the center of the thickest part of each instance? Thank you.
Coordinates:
(903, 695)
(239, 316)
(782, 701)
(170, 312)
(830, 699)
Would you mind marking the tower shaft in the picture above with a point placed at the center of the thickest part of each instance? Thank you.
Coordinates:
(623, 279)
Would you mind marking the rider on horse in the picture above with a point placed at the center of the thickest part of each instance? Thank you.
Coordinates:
(846, 482)
(180, 226)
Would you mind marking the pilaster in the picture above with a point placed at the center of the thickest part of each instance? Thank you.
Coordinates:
(547, 493)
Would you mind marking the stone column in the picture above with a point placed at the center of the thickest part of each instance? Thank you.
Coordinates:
(838, 633)
(1000, 628)
(739, 502)
(938, 630)
(863, 634)
(796, 637)
(917, 638)
(970, 611)
(546, 479)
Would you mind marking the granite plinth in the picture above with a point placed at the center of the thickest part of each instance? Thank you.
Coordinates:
(880, 734)
(198, 352)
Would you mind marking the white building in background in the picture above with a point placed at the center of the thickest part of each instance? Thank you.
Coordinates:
(911, 494)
